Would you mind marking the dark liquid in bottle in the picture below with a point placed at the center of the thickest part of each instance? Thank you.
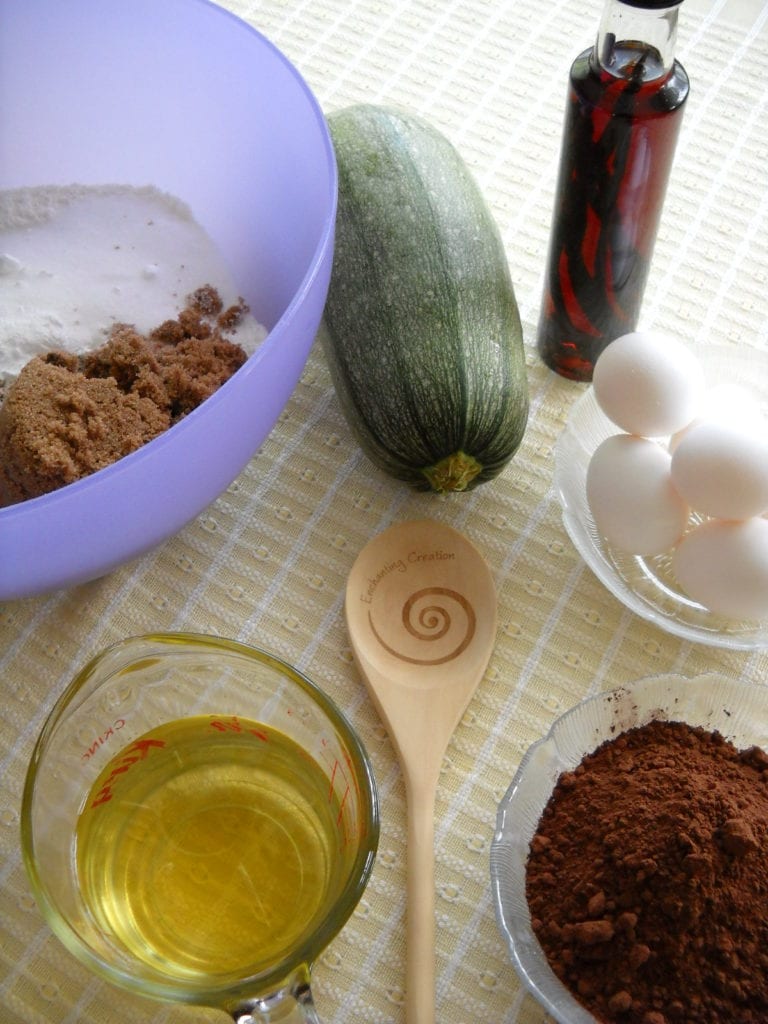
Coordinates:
(618, 144)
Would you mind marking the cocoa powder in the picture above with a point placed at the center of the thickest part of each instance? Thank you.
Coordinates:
(647, 879)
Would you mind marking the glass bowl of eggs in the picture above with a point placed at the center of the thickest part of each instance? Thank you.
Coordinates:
(662, 474)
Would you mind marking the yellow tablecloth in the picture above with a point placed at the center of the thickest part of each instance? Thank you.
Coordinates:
(267, 562)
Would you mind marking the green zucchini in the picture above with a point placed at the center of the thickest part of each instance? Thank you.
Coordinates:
(421, 330)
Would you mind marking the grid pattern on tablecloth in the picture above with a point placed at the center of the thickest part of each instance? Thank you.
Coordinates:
(268, 561)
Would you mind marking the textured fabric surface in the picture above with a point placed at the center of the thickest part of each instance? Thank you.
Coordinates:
(267, 562)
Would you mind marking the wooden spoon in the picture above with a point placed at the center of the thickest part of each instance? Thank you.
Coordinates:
(421, 613)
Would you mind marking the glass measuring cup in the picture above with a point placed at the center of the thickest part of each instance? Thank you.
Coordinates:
(221, 896)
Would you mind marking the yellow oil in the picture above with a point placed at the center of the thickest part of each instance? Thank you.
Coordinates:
(208, 848)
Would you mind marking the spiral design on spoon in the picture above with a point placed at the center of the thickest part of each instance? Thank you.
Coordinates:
(429, 615)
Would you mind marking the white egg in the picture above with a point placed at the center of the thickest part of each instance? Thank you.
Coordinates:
(725, 403)
(721, 470)
(631, 497)
(724, 566)
(648, 384)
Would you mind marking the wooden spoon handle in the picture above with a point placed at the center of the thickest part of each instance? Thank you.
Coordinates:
(420, 895)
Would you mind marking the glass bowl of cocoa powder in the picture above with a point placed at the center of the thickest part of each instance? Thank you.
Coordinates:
(627, 867)
(167, 175)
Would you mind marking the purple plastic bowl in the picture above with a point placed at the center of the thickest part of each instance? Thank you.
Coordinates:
(181, 95)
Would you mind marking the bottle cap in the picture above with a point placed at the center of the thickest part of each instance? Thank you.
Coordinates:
(651, 5)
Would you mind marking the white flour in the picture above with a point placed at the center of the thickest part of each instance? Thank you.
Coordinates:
(75, 260)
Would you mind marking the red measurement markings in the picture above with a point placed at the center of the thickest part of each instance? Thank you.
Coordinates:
(102, 739)
(337, 770)
(233, 724)
(137, 751)
(340, 815)
(362, 831)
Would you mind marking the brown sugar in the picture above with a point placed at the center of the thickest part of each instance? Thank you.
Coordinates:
(65, 417)
(57, 426)
(195, 368)
(647, 879)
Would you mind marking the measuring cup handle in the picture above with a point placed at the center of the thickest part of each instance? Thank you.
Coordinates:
(294, 1000)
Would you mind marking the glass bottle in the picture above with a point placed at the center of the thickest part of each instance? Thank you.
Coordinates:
(625, 105)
